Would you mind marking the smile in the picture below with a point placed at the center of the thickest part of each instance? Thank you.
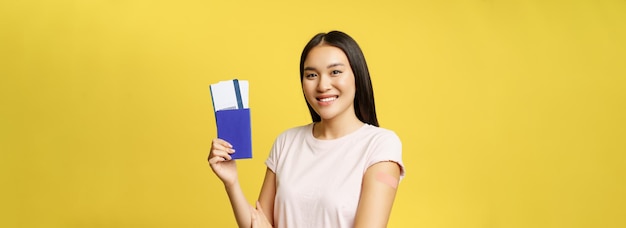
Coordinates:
(327, 99)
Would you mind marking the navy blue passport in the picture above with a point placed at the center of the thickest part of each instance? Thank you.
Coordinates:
(234, 126)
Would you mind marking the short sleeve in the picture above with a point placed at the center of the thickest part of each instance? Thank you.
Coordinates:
(272, 159)
(386, 147)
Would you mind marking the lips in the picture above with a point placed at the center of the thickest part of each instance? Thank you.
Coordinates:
(326, 98)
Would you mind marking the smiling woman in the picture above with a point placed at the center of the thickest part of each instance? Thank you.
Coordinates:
(341, 170)
(328, 84)
(351, 57)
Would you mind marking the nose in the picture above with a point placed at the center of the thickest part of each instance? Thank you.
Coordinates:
(324, 83)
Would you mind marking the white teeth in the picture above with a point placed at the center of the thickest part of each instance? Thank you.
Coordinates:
(328, 99)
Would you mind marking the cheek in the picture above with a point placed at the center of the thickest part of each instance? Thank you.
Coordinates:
(308, 90)
(347, 84)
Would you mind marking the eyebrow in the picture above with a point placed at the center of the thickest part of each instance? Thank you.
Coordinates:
(329, 66)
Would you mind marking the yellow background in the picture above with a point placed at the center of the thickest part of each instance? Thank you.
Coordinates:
(512, 113)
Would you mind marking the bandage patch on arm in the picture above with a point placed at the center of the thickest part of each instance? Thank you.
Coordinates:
(387, 179)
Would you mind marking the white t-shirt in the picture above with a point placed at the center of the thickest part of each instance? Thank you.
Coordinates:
(318, 182)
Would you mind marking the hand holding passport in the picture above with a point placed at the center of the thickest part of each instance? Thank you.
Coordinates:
(232, 115)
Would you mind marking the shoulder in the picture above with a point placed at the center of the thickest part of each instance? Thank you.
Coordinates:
(294, 132)
(384, 145)
(380, 135)
(286, 139)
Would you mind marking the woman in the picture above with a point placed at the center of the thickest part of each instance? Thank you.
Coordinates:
(341, 170)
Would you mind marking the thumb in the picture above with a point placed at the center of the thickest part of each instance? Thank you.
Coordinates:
(253, 213)
(259, 208)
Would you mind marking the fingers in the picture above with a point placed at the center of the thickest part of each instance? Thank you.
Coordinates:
(214, 160)
(219, 156)
(259, 208)
(220, 149)
(255, 220)
(221, 144)
(260, 215)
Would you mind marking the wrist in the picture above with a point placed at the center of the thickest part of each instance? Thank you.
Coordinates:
(231, 185)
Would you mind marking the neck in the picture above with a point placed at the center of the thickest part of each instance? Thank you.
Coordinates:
(333, 129)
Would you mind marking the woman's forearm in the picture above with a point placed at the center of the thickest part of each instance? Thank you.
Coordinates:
(241, 207)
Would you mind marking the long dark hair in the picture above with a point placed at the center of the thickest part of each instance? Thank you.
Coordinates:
(364, 107)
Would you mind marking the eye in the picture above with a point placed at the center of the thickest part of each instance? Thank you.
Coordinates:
(312, 75)
(336, 72)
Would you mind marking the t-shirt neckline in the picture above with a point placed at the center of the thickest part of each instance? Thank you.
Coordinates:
(316, 141)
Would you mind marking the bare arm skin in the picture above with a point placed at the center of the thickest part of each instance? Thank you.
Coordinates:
(226, 169)
(267, 195)
(263, 215)
(378, 192)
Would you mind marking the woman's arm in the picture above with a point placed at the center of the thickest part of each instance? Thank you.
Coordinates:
(240, 205)
(241, 208)
(378, 191)
(226, 169)
(267, 195)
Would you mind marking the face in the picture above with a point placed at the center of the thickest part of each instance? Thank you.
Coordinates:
(328, 83)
